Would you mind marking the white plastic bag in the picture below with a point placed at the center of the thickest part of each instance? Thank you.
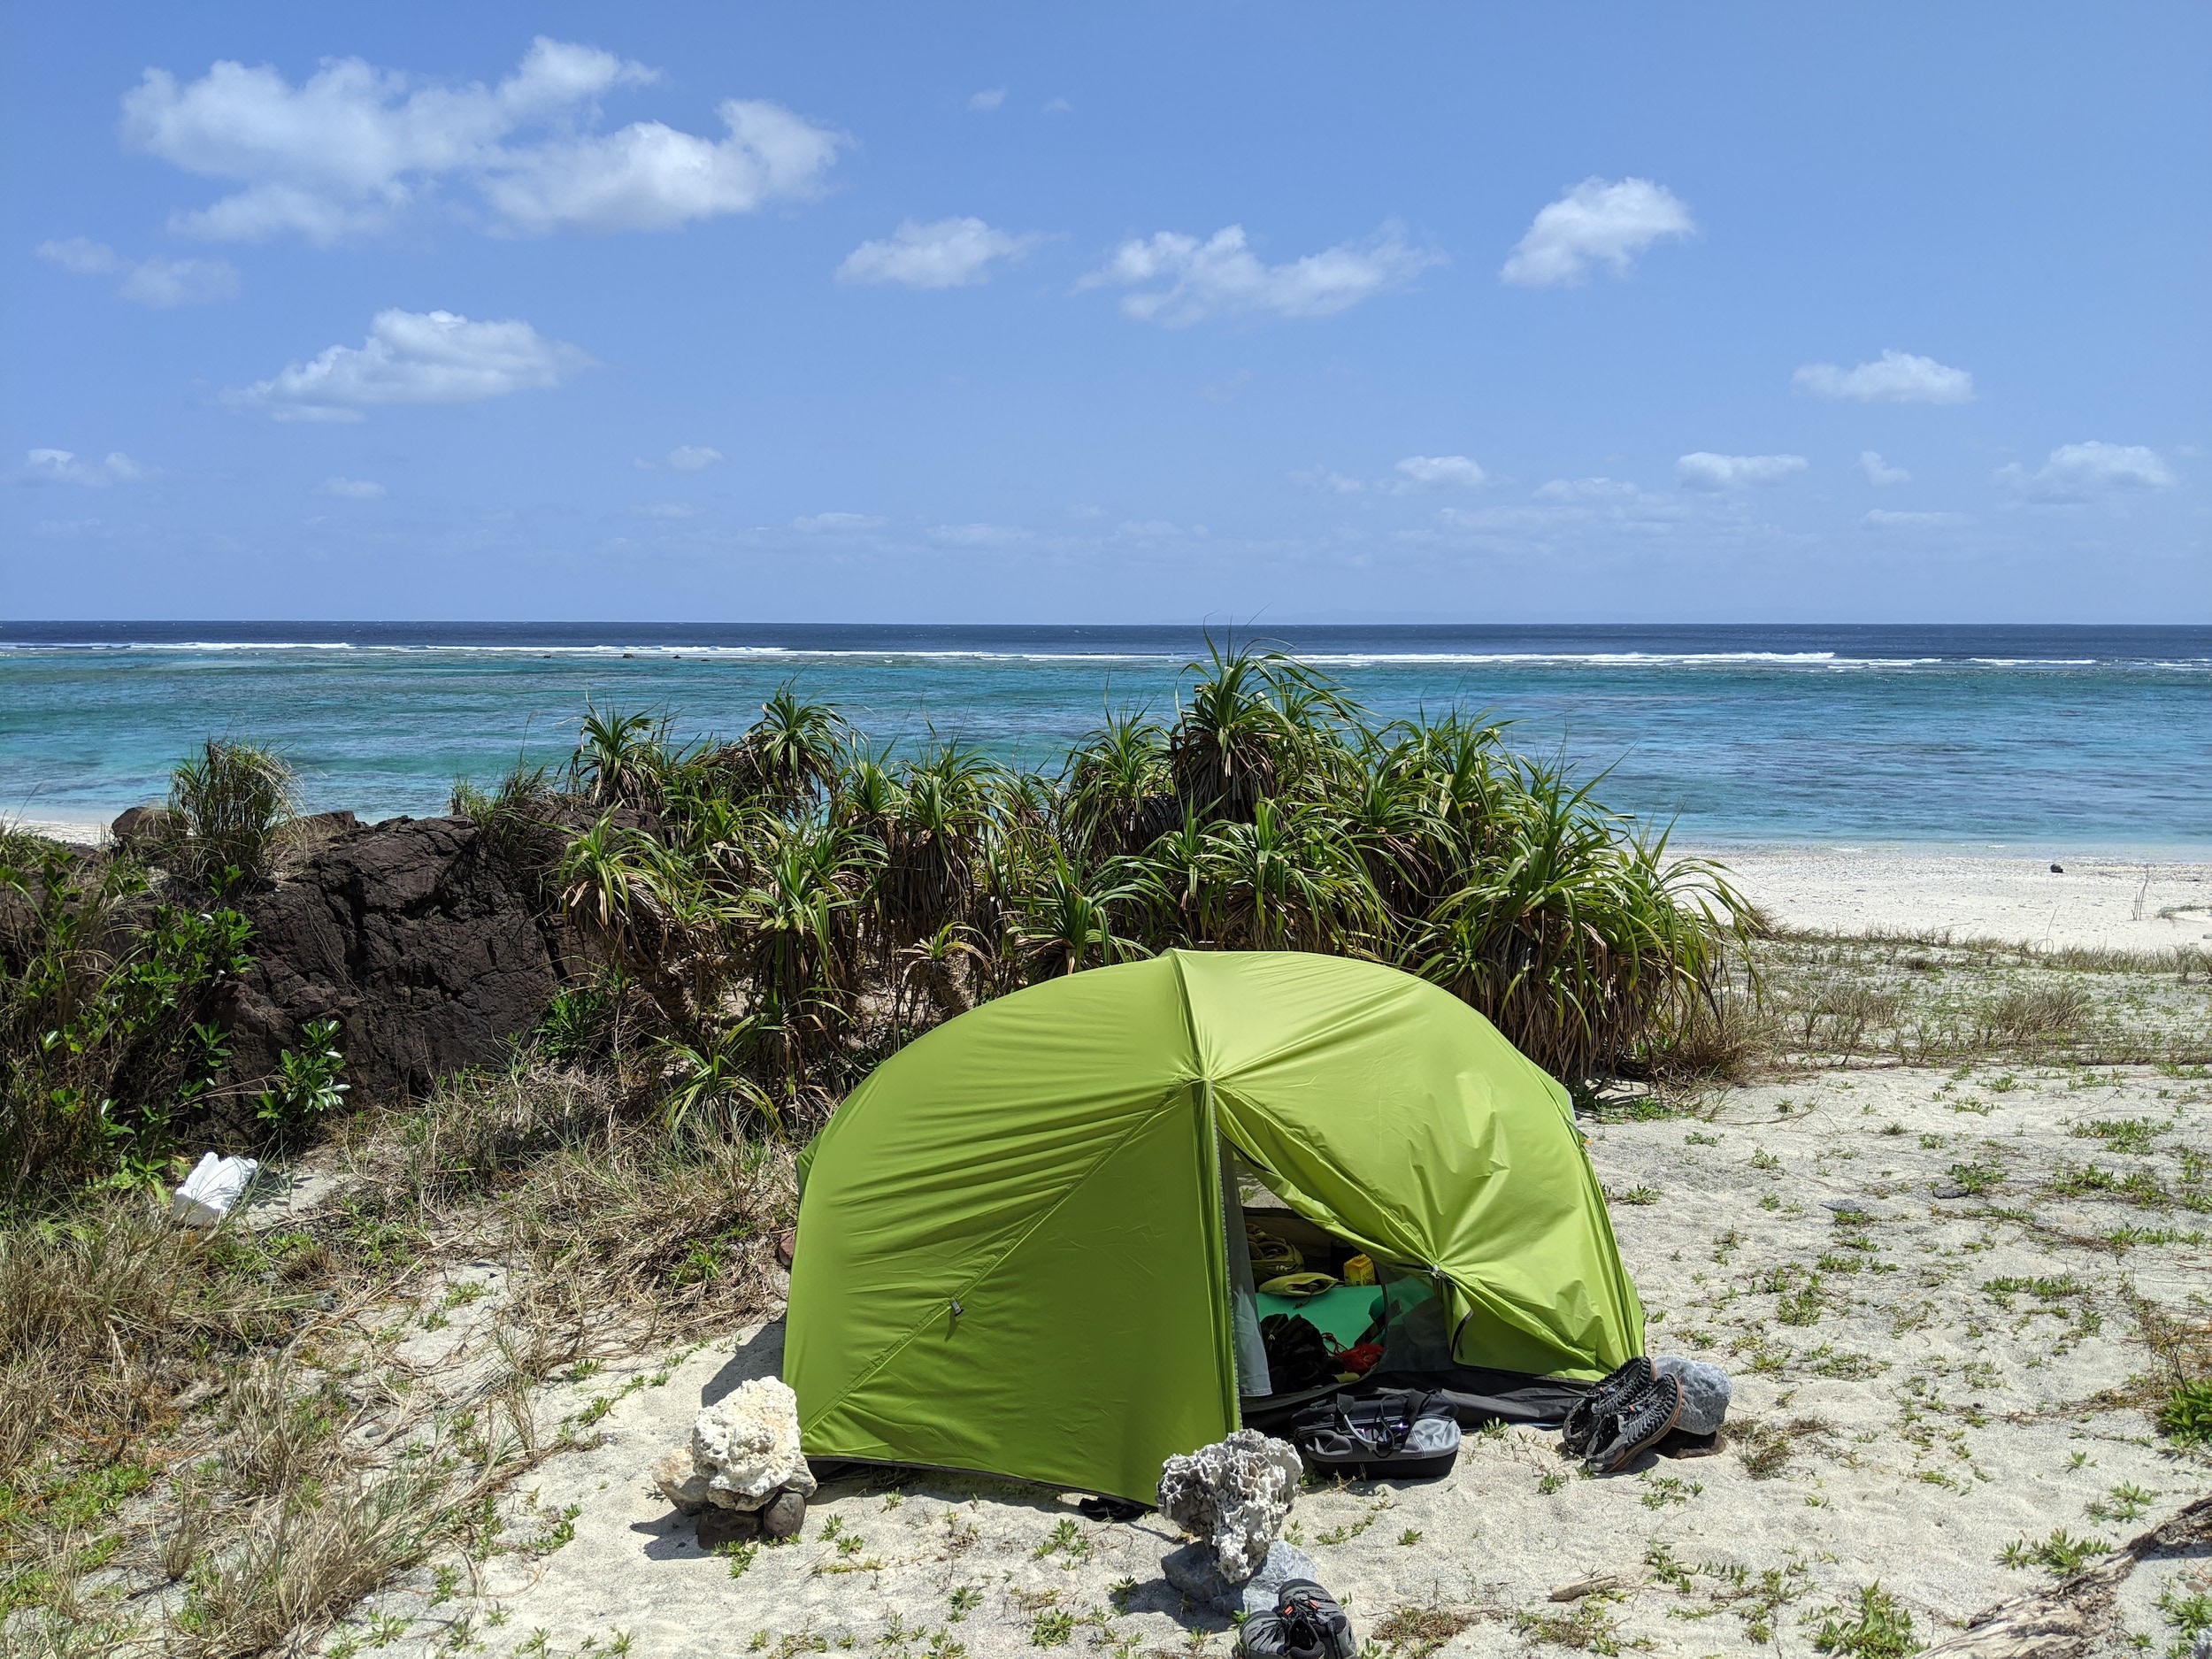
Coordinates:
(208, 1194)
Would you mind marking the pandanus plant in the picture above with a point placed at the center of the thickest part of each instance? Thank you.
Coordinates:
(1576, 937)
(789, 894)
(1255, 720)
(792, 755)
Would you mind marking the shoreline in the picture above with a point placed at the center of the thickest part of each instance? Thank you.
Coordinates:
(2114, 899)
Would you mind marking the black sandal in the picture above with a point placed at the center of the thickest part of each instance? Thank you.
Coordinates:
(1646, 1422)
(1605, 1400)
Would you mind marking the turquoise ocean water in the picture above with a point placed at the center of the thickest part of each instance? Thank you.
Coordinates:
(2084, 740)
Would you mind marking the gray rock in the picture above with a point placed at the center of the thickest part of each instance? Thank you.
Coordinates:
(717, 1527)
(1193, 1570)
(146, 827)
(783, 1515)
(1705, 1392)
(1233, 1494)
(1284, 1562)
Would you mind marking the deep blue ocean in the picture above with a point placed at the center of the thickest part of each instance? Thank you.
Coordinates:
(2088, 740)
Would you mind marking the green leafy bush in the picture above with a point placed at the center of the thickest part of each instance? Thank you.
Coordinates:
(2185, 1415)
(100, 1052)
(307, 1086)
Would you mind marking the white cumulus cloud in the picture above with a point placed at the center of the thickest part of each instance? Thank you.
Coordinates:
(1440, 472)
(155, 281)
(64, 466)
(414, 358)
(352, 488)
(1704, 470)
(353, 147)
(1895, 377)
(947, 253)
(989, 99)
(834, 523)
(651, 177)
(1879, 471)
(2075, 472)
(693, 457)
(1595, 221)
(1184, 280)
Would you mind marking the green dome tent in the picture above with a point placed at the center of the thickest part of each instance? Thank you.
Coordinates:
(1013, 1256)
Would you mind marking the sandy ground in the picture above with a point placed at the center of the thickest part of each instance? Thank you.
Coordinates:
(2124, 902)
(86, 831)
(1932, 1380)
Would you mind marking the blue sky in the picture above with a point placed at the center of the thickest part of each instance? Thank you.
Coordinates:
(1129, 313)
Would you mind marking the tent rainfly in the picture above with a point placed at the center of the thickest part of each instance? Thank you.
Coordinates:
(1014, 1254)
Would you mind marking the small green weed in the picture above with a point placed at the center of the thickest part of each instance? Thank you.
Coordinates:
(2061, 1552)
(1876, 1627)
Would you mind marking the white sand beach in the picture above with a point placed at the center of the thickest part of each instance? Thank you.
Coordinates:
(1928, 1389)
(2092, 900)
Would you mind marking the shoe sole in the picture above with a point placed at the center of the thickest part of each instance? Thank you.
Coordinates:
(1623, 1458)
(1602, 1400)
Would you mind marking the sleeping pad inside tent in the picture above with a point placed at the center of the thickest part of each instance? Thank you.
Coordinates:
(1025, 1242)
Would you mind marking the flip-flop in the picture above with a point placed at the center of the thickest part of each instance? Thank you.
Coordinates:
(1605, 1400)
(1643, 1425)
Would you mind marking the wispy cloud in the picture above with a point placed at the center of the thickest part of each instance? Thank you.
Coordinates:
(1895, 377)
(989, 99)
(1440, 472)
(64, 466)
(947, 253)
(1704, 470)
(1595, 222)
(414, 358)
(976, 535)
(2076, 473)
(1882, 518)
(837, 523)
(349, 151)
(157, 281)
(1181, 281)
(352, 488)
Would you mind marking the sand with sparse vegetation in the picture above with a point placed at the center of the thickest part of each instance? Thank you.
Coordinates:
(1950, 1396)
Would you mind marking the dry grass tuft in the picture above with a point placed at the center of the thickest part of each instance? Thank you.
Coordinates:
(1418, 1632)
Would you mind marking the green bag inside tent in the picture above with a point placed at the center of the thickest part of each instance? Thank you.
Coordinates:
(1011, 1253)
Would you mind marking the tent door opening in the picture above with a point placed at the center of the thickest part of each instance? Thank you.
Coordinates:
(1277, 1261)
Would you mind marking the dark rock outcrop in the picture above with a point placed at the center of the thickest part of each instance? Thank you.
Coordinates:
(144, 826)
(414, 935)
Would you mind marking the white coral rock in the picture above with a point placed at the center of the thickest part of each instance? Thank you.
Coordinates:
(680, 1481)
(1235, 1496)
(747, 1446)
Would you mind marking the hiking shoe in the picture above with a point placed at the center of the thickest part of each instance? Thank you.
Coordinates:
(1313, 1625)
(1262, 1636)
(1642, 1423)
(1606, 1400)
